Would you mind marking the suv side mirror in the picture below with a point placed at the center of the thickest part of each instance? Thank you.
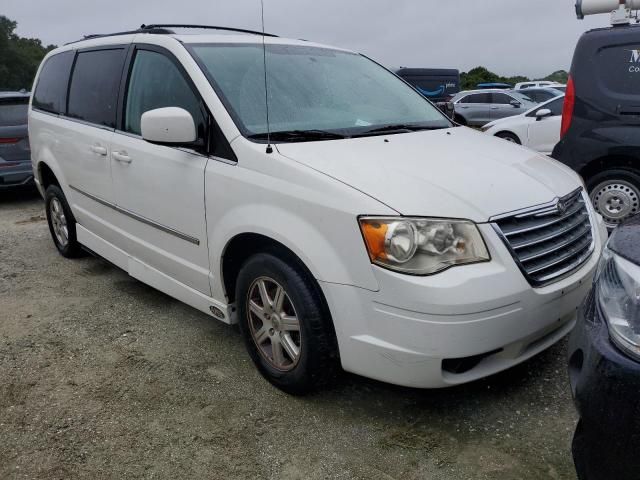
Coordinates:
(543, 113)
(515, 103)
(168, 126)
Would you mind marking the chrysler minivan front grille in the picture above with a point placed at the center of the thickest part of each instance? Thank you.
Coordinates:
(551, 241)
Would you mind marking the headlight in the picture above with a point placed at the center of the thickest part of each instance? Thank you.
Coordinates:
(618, 294)
(422, 246)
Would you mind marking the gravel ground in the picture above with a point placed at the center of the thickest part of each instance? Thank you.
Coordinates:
(104, 377)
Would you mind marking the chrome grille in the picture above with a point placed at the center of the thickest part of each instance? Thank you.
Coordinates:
(550, 241)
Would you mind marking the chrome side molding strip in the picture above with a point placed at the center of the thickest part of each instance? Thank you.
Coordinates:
(139, 218)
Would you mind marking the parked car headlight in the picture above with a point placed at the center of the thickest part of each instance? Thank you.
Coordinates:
(422, 246)
(618, 293)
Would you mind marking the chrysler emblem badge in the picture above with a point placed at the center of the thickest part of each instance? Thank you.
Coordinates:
(561, 207)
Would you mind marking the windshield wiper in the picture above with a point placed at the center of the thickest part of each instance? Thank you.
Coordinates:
(399, 127)
(298, 135)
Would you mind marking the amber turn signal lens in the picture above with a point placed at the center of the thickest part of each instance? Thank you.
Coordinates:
(374, 235)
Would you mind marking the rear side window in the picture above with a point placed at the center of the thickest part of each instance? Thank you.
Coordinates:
(619, 69)
(156, 82)
(51, 91)
(13, 112)
(93, 93)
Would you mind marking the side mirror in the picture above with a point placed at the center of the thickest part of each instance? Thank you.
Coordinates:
(168, 126)
(543, 113)
(515, 103)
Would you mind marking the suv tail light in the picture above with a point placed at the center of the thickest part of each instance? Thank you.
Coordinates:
(9, 140)
(567, 109)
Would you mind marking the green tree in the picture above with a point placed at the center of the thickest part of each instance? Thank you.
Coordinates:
(473, 77)
(561, 76)
(19, 57)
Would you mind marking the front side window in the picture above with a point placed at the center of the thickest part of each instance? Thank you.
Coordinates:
(156, 82)
(13, 111)
(93, 93)
(477, 98)
(51, 90)
(311, 89)
(555, 106)
(502, 99)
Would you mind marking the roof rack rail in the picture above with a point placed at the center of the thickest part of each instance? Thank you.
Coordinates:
(165, 29)
(115, 34)
(162, 26)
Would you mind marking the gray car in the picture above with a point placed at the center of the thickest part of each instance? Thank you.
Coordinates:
(479, 107)
(15, 154)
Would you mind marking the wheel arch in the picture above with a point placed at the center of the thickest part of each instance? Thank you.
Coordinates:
(243, 246)
(46, 176)
(459, 118)
(508, 132)
(608, 162)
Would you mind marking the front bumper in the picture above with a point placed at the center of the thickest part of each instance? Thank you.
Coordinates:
(457, 326)
(16, 174)
(605, 385)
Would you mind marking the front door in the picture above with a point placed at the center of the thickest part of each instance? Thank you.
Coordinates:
(159, 190)
(544, 133)
(501, 106)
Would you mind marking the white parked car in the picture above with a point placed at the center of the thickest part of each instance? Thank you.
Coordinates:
(356, 227)
(538, 84)
(538, 129)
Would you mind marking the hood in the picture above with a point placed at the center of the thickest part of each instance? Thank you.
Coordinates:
(489, 125)
(455, 173)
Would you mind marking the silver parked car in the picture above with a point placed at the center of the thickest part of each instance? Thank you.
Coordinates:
(479, 107)
(15, 154)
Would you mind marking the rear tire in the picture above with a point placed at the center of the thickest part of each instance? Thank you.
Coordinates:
(509, 137)
(62, 223)
(291, 342)
(615, 195)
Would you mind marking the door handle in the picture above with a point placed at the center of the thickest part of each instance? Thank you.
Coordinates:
(494, 108)
(121, 157)
(99, 150)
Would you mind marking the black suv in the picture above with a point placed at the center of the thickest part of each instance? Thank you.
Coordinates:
(600, 136)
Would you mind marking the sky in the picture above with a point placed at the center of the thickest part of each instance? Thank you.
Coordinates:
(524, 37)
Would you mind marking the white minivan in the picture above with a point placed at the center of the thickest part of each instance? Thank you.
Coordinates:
(340, 219)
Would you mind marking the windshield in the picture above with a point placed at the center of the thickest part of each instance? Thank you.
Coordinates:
(312, 89)
(522, 97)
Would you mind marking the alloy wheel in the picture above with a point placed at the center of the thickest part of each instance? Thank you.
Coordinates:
(273, 323)
(59, 222)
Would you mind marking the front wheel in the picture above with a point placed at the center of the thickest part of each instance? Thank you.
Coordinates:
(509, 137)
(286, 327)
(615, 195)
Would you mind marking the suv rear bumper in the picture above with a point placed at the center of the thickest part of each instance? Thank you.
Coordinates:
(16, 174)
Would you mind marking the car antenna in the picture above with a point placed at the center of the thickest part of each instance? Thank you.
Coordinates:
(266, 91)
